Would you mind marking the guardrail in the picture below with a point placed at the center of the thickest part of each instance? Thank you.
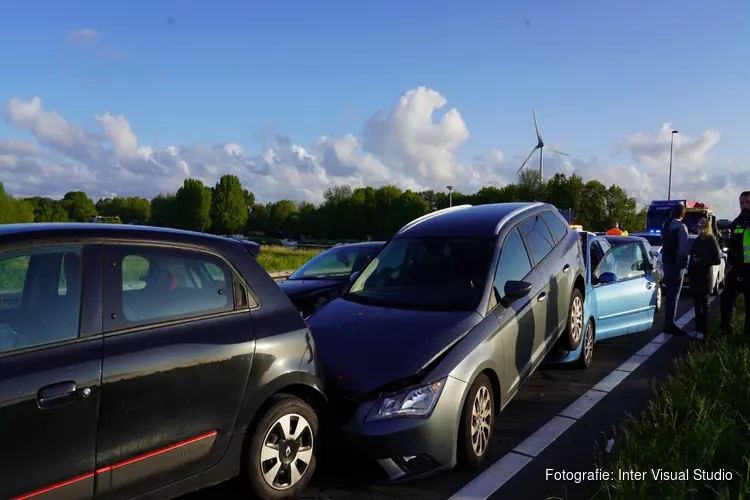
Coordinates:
(281, 275)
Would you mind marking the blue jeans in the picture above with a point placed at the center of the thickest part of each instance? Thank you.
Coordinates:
(673, 277)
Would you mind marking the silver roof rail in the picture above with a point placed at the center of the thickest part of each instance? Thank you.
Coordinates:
(431, 215)
(515, 212)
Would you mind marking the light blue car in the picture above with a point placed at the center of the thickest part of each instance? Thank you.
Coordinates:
(622, 293)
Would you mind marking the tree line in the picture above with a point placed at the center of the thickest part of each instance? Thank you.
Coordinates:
(346, 214)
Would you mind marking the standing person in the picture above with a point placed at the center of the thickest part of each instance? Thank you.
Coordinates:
(675, 253)
(738, 260)
(622, 228)
(703, 256)
(614, 230)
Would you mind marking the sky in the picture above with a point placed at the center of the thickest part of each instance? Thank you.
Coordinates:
(129, 98)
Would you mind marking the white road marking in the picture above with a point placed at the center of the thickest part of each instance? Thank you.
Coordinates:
(494, 477)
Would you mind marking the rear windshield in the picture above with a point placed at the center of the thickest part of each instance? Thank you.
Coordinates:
(429, 274)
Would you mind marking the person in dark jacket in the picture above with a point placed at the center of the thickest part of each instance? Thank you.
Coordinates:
(704, 255)
(675, 252)
(738, 274)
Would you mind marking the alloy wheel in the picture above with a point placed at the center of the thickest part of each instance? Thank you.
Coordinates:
(481, 421)
(576, 319)
(287, 451)
(588, 344)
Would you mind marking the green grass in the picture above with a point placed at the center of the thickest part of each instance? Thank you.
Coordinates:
(276, 258)
(697, 419)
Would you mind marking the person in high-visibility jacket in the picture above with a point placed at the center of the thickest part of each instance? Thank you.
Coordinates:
(624, 231)
(614, 230)
(738, 274)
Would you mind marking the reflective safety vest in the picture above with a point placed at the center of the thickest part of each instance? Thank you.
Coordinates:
(745, 243)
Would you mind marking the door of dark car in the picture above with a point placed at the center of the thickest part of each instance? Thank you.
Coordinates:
(540, 243)
(177, 352)
(519, 331)
(50, 369)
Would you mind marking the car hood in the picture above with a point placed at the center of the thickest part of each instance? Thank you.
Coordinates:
(296, 288)
(364, 347)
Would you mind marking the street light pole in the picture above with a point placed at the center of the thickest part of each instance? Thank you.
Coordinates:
(450, 196)
(671, 148)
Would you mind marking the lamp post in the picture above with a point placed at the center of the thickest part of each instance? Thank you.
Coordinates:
(450, 196)
(671, 148)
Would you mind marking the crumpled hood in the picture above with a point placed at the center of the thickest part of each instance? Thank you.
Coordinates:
(364, 347)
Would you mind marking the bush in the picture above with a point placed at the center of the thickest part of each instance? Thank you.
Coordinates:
(697, 419)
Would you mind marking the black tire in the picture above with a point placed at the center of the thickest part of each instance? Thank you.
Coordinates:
(587, 352)
(467, 456)
(574, 328)
(281, 406)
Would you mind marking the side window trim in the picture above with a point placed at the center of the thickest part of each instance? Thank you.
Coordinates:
(114, 323)
(565, 226)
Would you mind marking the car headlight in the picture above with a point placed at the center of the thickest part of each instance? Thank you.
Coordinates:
(415, 402)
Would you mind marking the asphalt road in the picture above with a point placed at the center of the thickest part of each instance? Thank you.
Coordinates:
(549, 391)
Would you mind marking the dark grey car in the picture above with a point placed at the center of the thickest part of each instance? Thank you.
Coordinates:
(439, 331)
(144, 362)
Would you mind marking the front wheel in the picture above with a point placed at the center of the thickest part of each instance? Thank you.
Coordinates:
(281, 456)
(574, 329)
(477, 424)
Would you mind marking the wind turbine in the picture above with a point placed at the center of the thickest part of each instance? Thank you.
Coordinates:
(541, 147)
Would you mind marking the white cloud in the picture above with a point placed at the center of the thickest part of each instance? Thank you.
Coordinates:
(411, 146)
(83, 36)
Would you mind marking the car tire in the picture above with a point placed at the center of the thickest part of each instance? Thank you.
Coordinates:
(477, 424)
(285, 439)
(659, 298)
(587, 351)
(575, 326)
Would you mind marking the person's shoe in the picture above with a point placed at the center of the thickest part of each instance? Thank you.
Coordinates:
(674, 329)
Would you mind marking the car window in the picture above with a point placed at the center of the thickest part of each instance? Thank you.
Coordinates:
(538, 237)
(625, 261)
(425, 274)
(559, 230)
(159, 284)
(40, 296)
(335, 263)
(513, 264)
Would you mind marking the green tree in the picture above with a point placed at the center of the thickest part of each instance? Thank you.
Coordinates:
(79, 206)
(13, 210)
(279, 213)
(193, 203)
(258, 219)
(229, 210)
(47, 209)
(164, 211)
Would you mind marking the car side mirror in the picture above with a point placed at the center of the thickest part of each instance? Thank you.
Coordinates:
(606, 278)
(516, 289)
(353, 277)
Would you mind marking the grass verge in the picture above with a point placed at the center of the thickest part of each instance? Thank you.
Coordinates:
(277, 258)
(696, 421)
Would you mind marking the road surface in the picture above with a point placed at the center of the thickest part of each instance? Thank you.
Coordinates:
(534, 411)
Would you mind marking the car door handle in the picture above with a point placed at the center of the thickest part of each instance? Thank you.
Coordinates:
(541, 297)
(54, 395)
(566, 268)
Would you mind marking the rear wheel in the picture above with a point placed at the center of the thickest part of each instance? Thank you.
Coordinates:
(574, 329)
(281, 455)
(477, 424)
(587, 351)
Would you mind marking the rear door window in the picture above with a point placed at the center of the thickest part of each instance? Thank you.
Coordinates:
(538, 237)
(150, 285)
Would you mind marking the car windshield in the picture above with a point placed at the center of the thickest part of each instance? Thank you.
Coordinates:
(429, 274)
(335, 263)
(653, 239)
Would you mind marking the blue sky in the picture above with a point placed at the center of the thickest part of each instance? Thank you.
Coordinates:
(226, 71)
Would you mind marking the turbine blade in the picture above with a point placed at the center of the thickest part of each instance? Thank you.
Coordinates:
(536, 126)
(547, 148)
(526, 160)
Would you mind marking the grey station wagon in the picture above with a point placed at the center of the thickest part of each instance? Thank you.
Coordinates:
(435, 336)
